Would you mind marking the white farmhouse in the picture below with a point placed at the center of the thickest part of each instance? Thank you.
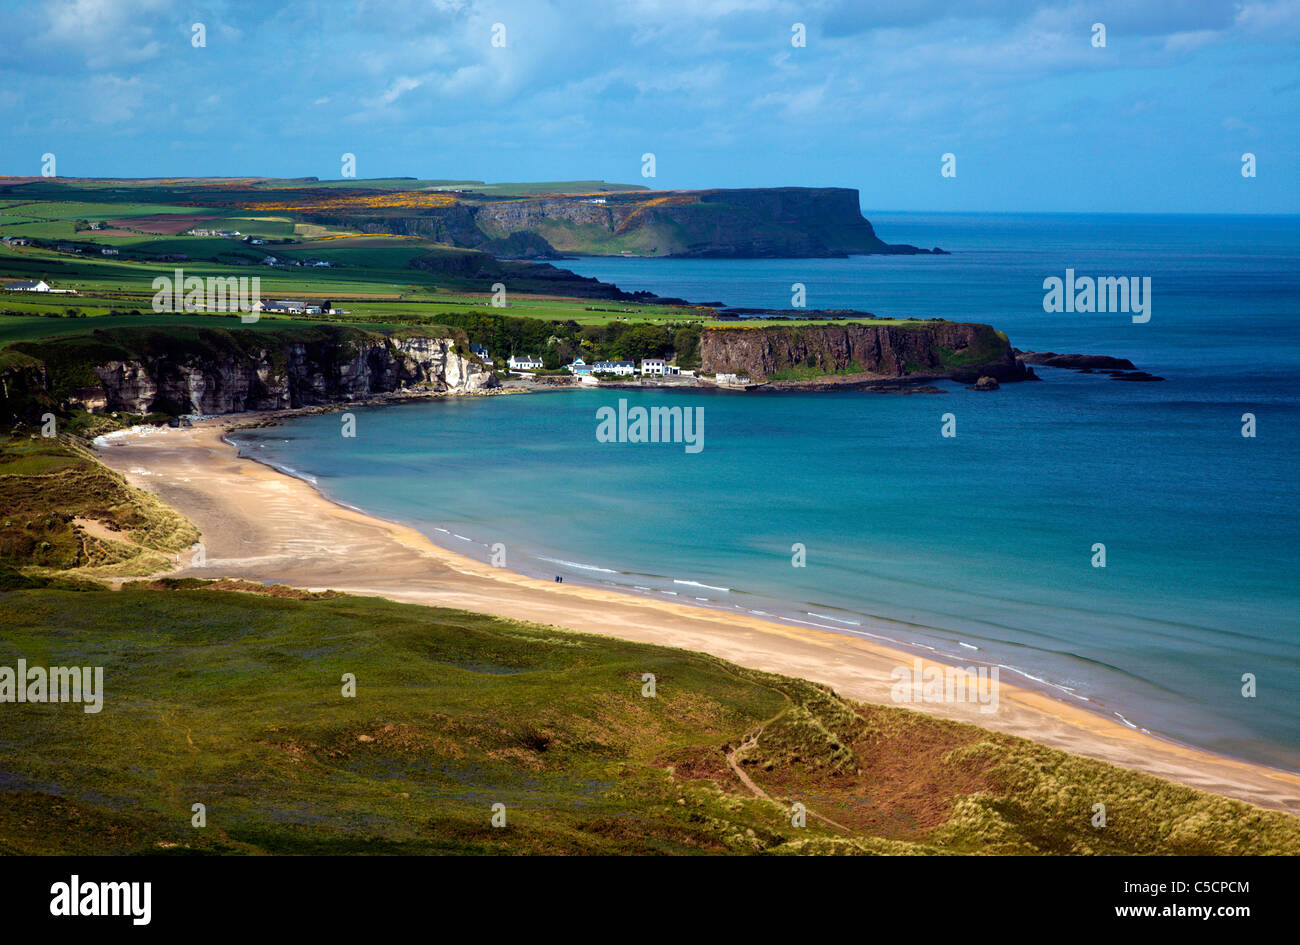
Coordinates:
(525, 362)
(651, 366)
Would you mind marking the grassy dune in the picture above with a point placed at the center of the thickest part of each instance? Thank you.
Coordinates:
(65, 512)
(234, 700)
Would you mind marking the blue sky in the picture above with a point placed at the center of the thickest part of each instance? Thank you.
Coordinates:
(1038, 119)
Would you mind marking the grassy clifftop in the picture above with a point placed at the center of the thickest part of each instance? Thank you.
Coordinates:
(234, 700)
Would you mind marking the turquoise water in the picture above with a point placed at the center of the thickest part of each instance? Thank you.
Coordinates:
(978, 546)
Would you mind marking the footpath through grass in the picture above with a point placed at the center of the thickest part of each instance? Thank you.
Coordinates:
(235, 701)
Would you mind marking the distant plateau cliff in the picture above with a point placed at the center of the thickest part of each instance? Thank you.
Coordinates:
(756, 222)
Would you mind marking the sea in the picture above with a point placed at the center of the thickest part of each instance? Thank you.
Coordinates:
(1121, 545)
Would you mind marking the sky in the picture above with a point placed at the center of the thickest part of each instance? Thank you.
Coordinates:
(1037, 117)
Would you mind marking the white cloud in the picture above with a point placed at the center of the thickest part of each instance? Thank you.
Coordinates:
(399, 88)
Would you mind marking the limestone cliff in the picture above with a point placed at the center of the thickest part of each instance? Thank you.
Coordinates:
(217, 371)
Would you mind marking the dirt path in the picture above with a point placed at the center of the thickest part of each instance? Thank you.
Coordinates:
(733, 761)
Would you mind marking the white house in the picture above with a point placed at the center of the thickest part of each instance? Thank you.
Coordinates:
(627, 368)
(579, 367)
(525, 362)
(731, 380)
(27, 287)
(482, 353)
(653, 366)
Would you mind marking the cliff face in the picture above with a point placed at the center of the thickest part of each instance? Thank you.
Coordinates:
(229, 371)
(22, 387)
(755, 222)
(961, 351)
(778, 221)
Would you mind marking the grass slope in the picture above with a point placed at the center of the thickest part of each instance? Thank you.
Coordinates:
(234, 700)
(46, 486)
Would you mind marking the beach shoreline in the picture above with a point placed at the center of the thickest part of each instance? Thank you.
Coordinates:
(262, 524)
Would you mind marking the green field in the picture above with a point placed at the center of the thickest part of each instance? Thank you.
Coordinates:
(387, 278)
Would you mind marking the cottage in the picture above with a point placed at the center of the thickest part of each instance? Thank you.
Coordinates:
(579, 367)
(482, 353)
(27, 287)
(107, 251)
(651, 366)
(622, 368)
(525, 362)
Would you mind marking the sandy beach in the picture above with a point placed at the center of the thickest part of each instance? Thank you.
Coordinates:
(259, 524)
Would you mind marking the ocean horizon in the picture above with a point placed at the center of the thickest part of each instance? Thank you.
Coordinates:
(977, 549)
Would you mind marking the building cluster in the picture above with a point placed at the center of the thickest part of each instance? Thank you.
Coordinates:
(298, 307)
(650, 367)
(317, 263)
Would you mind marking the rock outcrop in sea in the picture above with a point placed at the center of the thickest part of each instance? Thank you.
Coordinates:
(809, 354)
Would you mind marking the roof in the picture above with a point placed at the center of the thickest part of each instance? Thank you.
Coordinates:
(22, 285)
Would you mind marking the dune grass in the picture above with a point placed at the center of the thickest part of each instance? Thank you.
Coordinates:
(46, 485)
(234, 700)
